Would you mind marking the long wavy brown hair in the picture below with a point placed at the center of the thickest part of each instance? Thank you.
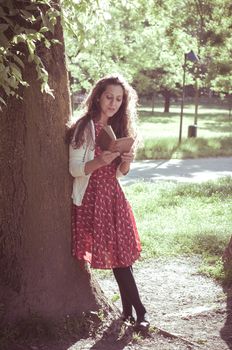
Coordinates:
(123, 122)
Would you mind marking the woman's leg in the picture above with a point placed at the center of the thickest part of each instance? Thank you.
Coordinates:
(126, 304)
(129, 291)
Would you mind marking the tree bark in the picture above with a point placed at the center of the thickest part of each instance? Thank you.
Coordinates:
(167, 99)
(227, 255)
(37, 273)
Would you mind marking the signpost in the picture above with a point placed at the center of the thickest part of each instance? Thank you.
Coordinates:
(191, 56)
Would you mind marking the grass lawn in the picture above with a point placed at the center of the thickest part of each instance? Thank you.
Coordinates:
(178, 219)
(160, 133)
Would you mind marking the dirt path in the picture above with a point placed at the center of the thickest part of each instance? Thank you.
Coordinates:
(193, 308)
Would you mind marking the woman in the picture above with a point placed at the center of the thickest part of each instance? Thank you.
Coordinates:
(103, 225)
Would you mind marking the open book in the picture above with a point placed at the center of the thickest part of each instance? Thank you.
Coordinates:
(108, 142)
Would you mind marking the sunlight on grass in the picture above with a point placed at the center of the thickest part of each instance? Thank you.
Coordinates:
(177, 219)
(167, 148)
(160, 133)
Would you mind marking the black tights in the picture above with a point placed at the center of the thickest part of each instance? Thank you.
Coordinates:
(129, 292)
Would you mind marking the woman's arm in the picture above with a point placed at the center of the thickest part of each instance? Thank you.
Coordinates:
(79, 167)
(105, 158)
(76, 161)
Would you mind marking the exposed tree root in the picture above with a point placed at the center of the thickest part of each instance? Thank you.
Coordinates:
(168, 334)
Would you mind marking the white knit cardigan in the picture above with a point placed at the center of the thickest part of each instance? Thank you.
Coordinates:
(77, 159)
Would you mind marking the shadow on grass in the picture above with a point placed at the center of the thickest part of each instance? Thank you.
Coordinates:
(168, 148)
(161, 117)
(219, 126)
(217, 119)
(208, 244)
(154, 149)
(157, 120)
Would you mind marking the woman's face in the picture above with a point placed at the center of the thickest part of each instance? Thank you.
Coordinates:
(111, 100)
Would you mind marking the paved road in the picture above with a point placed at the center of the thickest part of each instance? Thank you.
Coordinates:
(181, 170)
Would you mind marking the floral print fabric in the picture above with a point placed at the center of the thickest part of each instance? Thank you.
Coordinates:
(103, 227)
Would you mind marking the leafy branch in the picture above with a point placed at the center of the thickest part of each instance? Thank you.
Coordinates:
(23, 25)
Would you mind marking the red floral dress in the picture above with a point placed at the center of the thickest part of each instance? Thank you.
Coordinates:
(103, 227)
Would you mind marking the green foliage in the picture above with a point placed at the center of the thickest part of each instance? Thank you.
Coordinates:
(219, 47)
(97, 42)
(212, 266)
(115, 297)
(117, 39)
(22, 27)
(146, 41)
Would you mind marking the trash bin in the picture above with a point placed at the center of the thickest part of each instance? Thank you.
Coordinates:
(192, 131)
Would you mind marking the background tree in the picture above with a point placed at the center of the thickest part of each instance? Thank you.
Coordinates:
(132, 37)
(107, 43)
(219, 48)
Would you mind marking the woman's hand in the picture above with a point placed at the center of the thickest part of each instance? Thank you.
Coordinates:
(128, 157)
(107, 157)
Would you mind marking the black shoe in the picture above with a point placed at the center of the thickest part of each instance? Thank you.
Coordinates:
(143, 322)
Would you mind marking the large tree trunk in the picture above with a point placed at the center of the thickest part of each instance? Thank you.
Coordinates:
(37, 273)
